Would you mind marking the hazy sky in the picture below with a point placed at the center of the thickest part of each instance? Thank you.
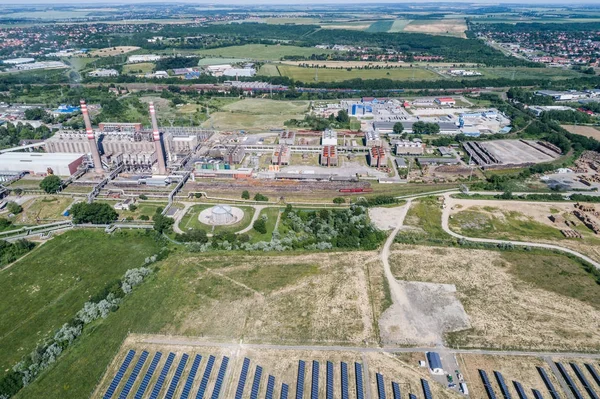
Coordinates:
(294, 2)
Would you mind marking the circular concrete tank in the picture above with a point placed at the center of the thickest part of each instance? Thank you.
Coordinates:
(221, 215)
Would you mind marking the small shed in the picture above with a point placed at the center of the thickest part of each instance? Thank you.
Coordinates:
(435, 363)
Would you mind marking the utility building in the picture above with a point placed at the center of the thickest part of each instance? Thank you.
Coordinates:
(435, 363)
(329, 137)
(377, 157)
(41, 163)
(329, 156)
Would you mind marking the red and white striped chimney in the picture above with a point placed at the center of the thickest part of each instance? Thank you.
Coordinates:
(91, 138)
(160, 155)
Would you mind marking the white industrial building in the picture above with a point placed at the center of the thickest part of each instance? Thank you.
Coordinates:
(240, 72)
(17, 61)
(143, 58)
(103, 73)
(40, 163)
(329, 137)
(40, 65)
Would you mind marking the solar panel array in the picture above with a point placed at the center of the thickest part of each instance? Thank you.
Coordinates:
(314, 389)
(300, 380)
(593, 372)
(520, 390)
(380, 386)
(187, 388)
(220, 377)
(149, 373)
(329, 392)
(502, 384)
(360, 391)
(569, 380)
(344, 381)
(256, 383)
(177, 376)
(426, 389)
(119, 376)
(548, 383)
(270, 387)
(584, 381)
(487, 385)
(396, 390)
(284, 391)
(134, 374)
(163, 375)
(242, 381)
(411, 396)
(537, 394)
(205, 377)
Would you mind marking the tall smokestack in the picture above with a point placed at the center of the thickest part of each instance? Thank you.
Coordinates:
(91, 138)
(160, 155)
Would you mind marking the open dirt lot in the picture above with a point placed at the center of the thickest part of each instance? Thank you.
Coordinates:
(587, 131)
(449, 27)
(515, 152)
(112, 51)
(385, 218)
(504, 310)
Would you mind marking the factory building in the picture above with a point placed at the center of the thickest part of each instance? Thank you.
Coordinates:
(287, 138)
(103, 73)
(41, 163)
(406, 147)
(372, 139)
(133, 59)
(235, 155)
(329, 137)
(377, 157)
(445, 101)
(281, 156)
(329, 156)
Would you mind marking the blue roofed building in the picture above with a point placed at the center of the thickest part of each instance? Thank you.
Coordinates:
(435, 363)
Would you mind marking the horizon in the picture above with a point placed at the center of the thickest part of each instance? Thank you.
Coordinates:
(552, 3)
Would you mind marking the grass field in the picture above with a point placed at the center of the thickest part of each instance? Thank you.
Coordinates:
(380, 26)
(261, 52)
(528, 73)
(220, 61)
(142, 67)
(587, 131)
(142, 208)
(338, 75)
(442, 27)
(44, 209)
(399, 25)
(46, 288)
(272, 214)
(256, 114)
(112, 51)
(190, 220)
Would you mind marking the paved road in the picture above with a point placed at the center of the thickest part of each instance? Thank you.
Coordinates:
(446, 228)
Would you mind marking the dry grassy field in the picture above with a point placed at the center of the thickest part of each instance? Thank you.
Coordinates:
(587, 131)
(112, 51)
(513, 300)
(445, 27)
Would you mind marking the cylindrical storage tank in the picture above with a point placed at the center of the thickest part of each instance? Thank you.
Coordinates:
(221, 214)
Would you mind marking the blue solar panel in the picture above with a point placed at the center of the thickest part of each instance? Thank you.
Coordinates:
(163, 375)
(396, 390)
(487, 385)
(520, 390)
(149, 373)
(284, 391)
(119, 376)
(205, 377)
(537, 394)
(502, 384)
(220, 377)
(569, 381)
(300, 380)
(593, 372)
(177, 376)
(314, 389)
(256, 383)
(380, 386)
(548, 383)
(242, 381)
(329, 391)
(270, 387)
(411, 396)
(187, 388)
(134, 375)
(584, 381)
(344, 381)
(426, 389)
(360, 391)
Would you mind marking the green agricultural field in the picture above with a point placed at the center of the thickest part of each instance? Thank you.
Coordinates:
(262, 52)
(338, 75)
(380, 26)
(142, 67)
(47, 287)
(528, 73)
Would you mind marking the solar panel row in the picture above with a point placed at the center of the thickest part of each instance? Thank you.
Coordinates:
(117, 378)
(314, 389)
(220, 377)
(584, 381)
(380, 386)
(502, 384)
(149, 373)
(520, 390)
(569, 380)
(396, 390)
(134, 374)
(177, 376)
(411, 396)
(270, 387)
(487, 385)
(329, 392)
(163, 375)
(426, 389)
(553, 393)
(300, 380)
(256, 383)
(284, 391)
(344, 380)
(537, 394)
(242, 381)
(205, 377)
(187, 388)
(593, 372)
(360, 391)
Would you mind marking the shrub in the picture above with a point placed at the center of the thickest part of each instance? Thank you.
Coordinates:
(51, 184)
(144, 217)
(339, 200)
(260, 225)
(245, 195)
(14, 208)
(132, 207)
(143, 197)
(260, 197)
